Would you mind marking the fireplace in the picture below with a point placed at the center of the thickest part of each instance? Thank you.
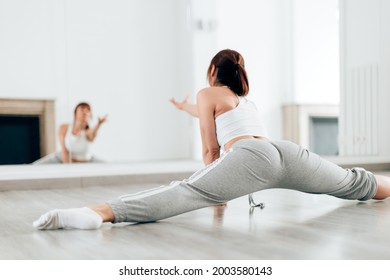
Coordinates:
(27, 130)
(19, 139)
(313, 126)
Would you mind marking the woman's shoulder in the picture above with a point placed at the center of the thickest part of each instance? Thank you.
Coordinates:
(205, 90)
(210, 93)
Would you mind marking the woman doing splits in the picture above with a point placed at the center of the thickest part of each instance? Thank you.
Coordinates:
(249, 163)
(76, 138)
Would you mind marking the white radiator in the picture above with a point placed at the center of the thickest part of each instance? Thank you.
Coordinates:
(359, 124)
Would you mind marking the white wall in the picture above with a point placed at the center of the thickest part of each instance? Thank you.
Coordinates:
(315, 52)
(125, 57)
(25, 48)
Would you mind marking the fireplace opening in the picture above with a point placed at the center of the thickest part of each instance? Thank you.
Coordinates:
(19, 139)
(324, 134)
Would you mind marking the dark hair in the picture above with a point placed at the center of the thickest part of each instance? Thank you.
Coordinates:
(82, 104)
(230, 70)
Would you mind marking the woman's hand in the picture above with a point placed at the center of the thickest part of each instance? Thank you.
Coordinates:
(182, 104)
(101, 120)
(186, 106)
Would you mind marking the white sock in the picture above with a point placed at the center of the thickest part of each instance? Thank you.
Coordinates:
(80, 218)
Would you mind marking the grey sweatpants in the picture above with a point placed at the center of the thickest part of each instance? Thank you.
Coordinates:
(249, 166)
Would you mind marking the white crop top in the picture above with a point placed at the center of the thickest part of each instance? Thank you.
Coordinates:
(243, 120)
(78, 146)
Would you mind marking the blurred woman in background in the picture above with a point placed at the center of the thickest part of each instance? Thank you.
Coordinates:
(76, 138)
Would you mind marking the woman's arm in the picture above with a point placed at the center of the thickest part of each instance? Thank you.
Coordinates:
(186, 106)
(92, 132)
(206, 109)
(64, 151)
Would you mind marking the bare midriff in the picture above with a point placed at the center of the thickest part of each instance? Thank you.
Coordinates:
(231, 142)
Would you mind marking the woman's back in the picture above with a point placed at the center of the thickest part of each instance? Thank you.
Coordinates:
(235, 117)
(225, 100)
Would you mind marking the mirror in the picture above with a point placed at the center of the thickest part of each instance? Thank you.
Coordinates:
(128, 58)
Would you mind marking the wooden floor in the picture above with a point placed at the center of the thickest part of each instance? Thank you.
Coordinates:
(292, 225)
